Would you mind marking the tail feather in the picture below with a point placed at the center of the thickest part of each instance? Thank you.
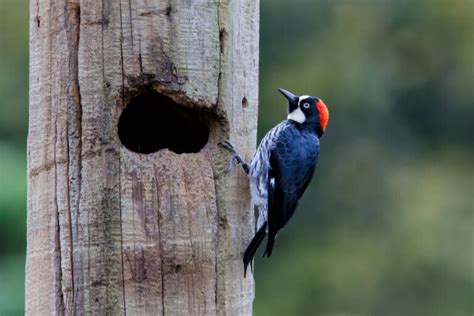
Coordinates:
(252, 247)
(269, 248)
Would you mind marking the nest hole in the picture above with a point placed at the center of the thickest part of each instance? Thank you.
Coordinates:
(153, 121)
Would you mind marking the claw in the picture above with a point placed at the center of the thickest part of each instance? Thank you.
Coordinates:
(227, 145)
(231, 164)
(234, 158)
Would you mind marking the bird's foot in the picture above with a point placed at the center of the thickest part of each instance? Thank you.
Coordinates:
(234, 157)
(229, 146)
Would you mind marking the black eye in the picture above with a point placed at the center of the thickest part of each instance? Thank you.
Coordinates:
(306, 105)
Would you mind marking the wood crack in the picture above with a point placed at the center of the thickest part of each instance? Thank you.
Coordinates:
(120, 164)
(69, 219)
(37, 17)
(121, 236)
(161, 246)
(221, 55)
(57, 250)
(217, 244)
(131, 22)
(72, 22)
(219, 104)
(140, 59)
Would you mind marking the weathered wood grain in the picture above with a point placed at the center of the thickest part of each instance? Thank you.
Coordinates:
(111, 231)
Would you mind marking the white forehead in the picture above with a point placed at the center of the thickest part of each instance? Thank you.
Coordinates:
(302, 98)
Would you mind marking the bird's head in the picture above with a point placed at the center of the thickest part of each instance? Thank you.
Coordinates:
(307, 110)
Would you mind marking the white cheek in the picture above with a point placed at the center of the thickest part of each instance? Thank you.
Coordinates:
(297, 116)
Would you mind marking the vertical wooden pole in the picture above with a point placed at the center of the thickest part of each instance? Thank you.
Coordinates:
(112, 231)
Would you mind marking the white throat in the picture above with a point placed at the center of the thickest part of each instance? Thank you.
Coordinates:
(297, 116)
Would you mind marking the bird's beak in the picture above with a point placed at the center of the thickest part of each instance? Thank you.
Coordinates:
(292, 99)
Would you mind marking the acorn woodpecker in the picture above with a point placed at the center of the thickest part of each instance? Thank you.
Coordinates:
(282, 167)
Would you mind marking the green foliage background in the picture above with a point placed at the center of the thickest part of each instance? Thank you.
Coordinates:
(387, 226)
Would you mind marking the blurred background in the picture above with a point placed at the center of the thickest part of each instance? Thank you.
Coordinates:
(387, 225)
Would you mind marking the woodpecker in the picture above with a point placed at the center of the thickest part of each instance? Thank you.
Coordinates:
(282, 167)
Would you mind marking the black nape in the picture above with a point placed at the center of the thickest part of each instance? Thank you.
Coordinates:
(153, 121)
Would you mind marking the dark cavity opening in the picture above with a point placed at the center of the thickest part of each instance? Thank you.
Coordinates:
(152, 121)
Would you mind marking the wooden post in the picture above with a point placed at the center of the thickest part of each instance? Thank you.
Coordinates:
(115, 231)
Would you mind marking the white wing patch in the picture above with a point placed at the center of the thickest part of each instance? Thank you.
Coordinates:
(262, 217)
(259, 168)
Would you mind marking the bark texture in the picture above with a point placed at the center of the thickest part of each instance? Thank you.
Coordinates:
(111, 231)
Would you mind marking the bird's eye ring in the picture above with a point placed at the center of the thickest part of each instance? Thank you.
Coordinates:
(306, 105)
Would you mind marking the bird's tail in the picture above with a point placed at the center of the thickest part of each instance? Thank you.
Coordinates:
(253, 246)
(269, 248)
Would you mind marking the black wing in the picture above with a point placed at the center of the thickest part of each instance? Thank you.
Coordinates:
(292, 166)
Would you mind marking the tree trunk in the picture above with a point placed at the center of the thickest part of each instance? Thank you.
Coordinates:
(115, 225)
